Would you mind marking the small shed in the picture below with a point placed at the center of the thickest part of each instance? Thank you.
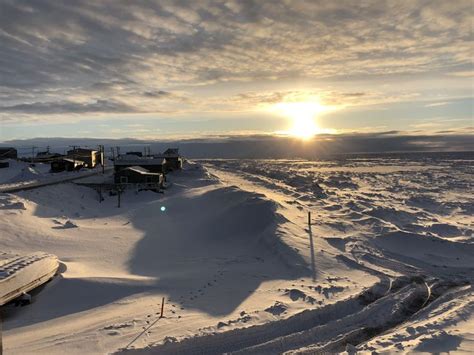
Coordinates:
(173, 160)
(66, 164)
(8, 153)
(90, 157)
(138, 175)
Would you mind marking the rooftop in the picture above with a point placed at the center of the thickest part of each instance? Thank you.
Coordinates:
(140, 170)
(134, 160)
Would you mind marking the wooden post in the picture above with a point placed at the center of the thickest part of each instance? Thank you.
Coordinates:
(311, 246)
(162, 307)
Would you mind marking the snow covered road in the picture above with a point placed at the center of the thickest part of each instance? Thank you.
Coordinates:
(28, 180)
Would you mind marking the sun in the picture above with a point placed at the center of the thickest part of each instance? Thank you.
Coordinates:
(303, 115)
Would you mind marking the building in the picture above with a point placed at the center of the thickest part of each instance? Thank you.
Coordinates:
(66, 164)
(47, 157)
(141, 177)
(89, 157)
(152, 164)
(173, 161)
(8, 153)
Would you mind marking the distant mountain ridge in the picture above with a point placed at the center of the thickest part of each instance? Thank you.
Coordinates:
(267, 146)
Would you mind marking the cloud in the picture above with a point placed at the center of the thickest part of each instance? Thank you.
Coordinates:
(67, 107)
(142, 53)
(254, 100)
(466, 73)
(159, 93)
(436, 104)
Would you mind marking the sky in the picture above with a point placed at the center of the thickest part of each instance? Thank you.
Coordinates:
(191, 69)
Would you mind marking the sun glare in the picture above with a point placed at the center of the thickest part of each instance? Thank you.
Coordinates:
(303, 115)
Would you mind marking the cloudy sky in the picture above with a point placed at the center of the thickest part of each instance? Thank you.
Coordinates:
(200, 68)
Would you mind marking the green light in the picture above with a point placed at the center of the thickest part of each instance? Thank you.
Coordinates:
(163, 208)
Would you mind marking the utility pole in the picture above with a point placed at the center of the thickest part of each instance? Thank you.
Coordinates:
(102, 157)
(33, 154)
(73, 156)
(119, 192)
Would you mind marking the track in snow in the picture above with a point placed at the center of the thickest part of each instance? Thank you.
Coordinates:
(330, 328)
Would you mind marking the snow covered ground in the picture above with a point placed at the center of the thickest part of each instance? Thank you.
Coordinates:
(22, 174)
(387, 264)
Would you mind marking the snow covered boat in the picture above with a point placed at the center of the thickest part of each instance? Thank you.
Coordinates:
(22, 273)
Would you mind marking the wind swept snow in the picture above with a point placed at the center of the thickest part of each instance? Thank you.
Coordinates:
(229, 249)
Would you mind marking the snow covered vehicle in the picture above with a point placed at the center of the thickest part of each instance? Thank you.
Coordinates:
(22, 273)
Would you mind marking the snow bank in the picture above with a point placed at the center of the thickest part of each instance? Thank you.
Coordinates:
(429, 249)
(22, 175)
(19, 171)
(8, 202)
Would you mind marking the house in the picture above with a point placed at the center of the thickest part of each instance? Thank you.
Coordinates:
(8, 153)
(139, 176)
(173, 161)
(66, 164)
(152, 164)
(90, 157)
